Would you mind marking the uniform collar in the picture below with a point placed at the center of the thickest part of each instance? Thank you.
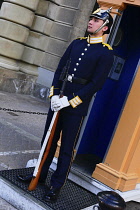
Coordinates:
(94, 40)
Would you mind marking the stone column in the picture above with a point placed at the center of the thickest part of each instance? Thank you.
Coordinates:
(16, 17)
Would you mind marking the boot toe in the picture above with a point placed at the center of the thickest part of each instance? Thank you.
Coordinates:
(25, 178)
(28, 178)
(52, 195)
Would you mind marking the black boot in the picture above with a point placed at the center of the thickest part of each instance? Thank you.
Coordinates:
(52, 194)
(28, 178)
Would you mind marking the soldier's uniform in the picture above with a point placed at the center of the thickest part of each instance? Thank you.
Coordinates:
(91, 60)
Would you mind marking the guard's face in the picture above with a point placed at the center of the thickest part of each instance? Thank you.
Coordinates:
(94, 24)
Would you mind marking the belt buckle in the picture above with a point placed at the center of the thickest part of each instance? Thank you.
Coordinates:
(69, 78)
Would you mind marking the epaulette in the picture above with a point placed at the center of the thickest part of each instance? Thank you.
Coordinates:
(107, 45)
(82, 38)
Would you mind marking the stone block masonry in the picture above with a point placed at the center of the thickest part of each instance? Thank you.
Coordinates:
(16, 14)
(16, 17)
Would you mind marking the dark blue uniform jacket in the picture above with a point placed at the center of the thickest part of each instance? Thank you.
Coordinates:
(88, 61)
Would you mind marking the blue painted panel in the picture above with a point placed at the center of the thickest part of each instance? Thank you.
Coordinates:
(109, 101)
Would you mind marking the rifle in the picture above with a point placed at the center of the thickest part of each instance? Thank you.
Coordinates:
(48, 139)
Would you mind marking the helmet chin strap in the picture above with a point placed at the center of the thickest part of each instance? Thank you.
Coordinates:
(107, 21)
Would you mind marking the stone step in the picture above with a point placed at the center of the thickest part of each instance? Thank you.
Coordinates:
(18, 198)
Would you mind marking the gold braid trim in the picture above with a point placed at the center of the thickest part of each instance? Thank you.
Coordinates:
(107, 45)
(75, 101)
(82, 38)
(51, 91)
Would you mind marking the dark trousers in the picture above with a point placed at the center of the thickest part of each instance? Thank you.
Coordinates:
(70, 126)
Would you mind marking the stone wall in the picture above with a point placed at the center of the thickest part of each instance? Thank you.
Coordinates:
(16, 19)
(36, 33)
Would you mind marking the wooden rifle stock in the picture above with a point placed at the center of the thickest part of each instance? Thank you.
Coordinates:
(35, 179)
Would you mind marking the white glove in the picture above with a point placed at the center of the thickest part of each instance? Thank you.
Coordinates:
(53, 99)
(60, 103)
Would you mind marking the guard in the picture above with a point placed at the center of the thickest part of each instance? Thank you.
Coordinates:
(89, 61)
